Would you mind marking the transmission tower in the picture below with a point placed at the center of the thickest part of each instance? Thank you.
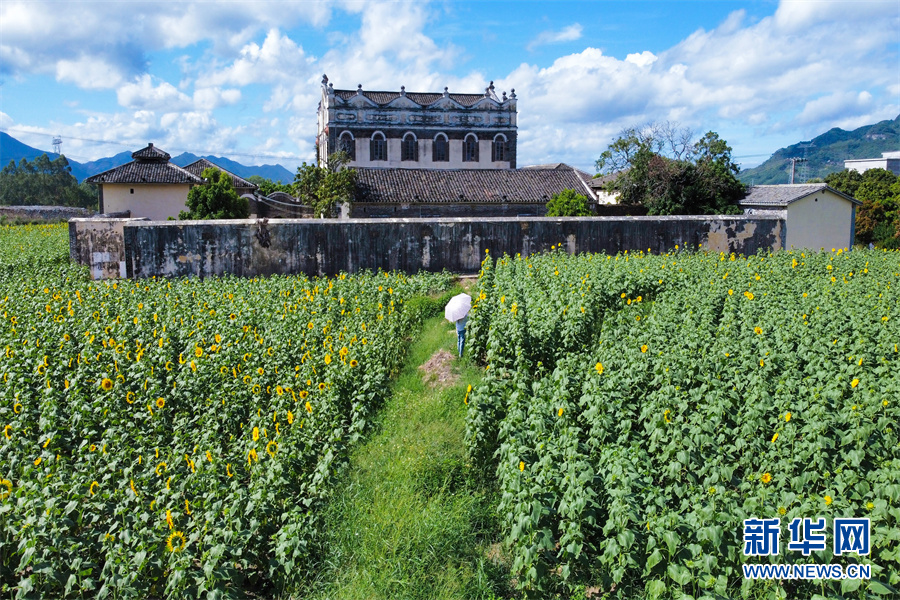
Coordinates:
(57, 144)
(794, 162)
(804, 166)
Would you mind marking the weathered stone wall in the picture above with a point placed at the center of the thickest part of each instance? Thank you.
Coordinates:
(326, 247)
(100, 244)
(43, 213)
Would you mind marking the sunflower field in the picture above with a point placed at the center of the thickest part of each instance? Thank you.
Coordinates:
(175, 438)
(637, 408)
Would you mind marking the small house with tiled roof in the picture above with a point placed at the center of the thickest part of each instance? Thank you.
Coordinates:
(418, 130)
(149, 186)
(816, 215)
(462, 192)
(240, 185)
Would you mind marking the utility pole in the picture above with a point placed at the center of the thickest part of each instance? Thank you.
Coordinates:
(794, 162)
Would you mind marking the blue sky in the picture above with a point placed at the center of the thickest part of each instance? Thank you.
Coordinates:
(242, 78)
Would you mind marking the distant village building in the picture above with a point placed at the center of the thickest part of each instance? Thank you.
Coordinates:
(149, 186)
(416, 130)
(889, 161)
(816, 216)
(240, 185)
(463, 192)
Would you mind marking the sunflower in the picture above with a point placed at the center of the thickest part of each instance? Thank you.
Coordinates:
(308, 407)
(228, 470)
(757, 330)
(766, 478)
(92, 486)
(160, 468)
(198, 351)
(854, 383)
(271, 447)
(522, 465)
(303, 394)
(160, 402)
(327, 359)
(322, 387)
(255, 433)
(290, 418)
(251, 456)
(106, 384)
(8, 485)
(559, 413)
(599, 368)
(175, 542)
(644, 348)
(6, 431)
(828, 500)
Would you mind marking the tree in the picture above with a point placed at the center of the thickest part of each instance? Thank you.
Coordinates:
(267, 186)
(323, 188)
(845, 181)
(567, 203)
(44, 182)
(657, 166)
(215, 199)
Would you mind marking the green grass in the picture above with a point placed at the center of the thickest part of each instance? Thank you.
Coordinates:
(407, 521)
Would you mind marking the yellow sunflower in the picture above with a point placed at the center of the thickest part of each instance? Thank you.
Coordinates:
(106, 384)
(175, 542)
(160, 402)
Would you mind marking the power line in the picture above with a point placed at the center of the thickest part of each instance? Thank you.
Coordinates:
(126, 145)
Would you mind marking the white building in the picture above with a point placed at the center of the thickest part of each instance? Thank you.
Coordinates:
(149, 186)
(816, 216)
(418, 130)
(889, 161)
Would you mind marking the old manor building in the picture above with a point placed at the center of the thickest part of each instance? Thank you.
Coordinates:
(418, 130)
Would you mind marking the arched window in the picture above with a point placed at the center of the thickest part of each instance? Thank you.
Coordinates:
(347, 144)
(499, 149)
(378, 147)
(440, 149)
(470, 148)
(409, 147)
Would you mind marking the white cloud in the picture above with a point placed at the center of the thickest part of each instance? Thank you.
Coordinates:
(212, 98)
(278, 59)
(644, 59)
(143, 94)
(566, 34)
(89, 72)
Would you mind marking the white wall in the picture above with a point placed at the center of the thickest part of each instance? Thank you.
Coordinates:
(154, 201)
(862, 165)
(821, 220)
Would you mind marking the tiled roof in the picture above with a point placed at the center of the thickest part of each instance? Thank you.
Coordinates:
(422, 98)
(465, 185)
(198, 166)
(150, 153)
(146, 172)
(782, 195)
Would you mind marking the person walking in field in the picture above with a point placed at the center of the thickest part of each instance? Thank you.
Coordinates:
(457, 311)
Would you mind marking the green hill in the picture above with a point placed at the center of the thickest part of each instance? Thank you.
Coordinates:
(827, 153)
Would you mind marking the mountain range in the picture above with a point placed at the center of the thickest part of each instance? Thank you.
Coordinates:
(826, 153)
(12, 149)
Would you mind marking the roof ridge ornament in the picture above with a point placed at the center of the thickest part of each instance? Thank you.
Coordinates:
(359, 89)
(324, 79)
(446, 92)
(403, 90)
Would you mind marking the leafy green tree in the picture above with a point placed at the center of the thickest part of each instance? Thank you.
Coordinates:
(669, 176)
(216, 199)
(845, 181)
(267, 186)
(568, 203)
(44, 182)
(323, 188)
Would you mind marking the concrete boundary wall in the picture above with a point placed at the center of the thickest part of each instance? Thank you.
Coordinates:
(249, 248)
(100, 244)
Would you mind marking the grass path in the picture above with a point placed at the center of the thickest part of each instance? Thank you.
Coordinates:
(406, 521)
